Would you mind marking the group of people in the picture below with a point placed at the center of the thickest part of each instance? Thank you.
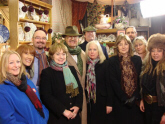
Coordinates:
(80, 84)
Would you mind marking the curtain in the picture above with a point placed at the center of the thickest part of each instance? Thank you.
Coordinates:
(78, 12)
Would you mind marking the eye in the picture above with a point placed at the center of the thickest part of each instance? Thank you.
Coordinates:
(18, 61)
(10, 62)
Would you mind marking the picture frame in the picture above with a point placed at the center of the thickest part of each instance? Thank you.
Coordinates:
(120, 32)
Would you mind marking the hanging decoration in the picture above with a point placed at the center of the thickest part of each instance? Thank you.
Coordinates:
(125, 8)
(31, 8)
(46, 12)
(40, 11)
(24, 8)
(50, 30)
(27, 29)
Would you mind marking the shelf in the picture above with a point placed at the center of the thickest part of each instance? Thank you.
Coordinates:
(28, 42)
(33, 21)
(104, 31)
(2, 44)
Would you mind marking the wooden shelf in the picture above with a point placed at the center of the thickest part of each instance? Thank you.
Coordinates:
(33, 21)
(28, 42)
(106, 31)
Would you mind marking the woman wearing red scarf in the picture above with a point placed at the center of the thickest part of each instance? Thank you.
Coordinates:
(124, 70)
(97, 86)
(19, 98)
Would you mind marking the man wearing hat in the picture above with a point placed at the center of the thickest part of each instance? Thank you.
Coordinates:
(76, 58)
(90, 34)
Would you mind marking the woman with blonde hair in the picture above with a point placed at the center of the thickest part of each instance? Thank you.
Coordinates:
(124, 70)
(60, 88)
(97, 87)
(19, 99)
(153, 81)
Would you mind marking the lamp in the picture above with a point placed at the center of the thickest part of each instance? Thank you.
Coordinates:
(151, 8)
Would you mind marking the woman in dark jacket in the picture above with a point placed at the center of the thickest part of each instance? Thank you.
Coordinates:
(60, 88)
(153, 82)
(124, 69)
(98, 92)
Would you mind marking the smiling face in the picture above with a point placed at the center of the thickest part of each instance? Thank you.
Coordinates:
(14, 65)
(27, 58)
(93, 52)
(156, 54)
(72, 41)
(131, 33)
(59, 57)
(123, 47)
(90, 35)
(140, 47)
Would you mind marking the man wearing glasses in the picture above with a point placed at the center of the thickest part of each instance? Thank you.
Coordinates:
(76, 58)
(40, 59)
(131, 32)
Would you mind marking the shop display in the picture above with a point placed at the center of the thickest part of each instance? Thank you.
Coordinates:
(4, 33)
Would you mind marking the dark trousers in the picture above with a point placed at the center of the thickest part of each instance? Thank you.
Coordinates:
(153, 113)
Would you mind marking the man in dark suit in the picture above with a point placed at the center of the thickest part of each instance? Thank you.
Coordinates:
(90, 35)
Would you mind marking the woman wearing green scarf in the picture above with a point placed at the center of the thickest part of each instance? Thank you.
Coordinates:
(60, 88)
(76, 58)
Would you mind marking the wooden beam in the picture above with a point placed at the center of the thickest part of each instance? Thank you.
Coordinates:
(111, 12)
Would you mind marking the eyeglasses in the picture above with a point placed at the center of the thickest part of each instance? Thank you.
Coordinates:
(39, 38)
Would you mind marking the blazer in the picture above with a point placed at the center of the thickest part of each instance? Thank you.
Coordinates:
(83, 47)
(53, 94)
(72, 62)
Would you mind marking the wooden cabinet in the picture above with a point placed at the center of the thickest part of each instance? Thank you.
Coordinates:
(15, 21)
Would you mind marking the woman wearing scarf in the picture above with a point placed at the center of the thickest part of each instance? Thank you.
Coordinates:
(124, 70)
(27, 53)
(60, 89)
(153, 82)
(97, 87)
(76, 58)
(19, 99)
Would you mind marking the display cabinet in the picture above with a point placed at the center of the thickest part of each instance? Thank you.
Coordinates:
(16, 22)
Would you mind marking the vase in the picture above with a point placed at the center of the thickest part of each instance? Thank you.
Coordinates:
(119, 25)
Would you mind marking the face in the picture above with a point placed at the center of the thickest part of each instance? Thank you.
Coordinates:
(72, 41)
(131, 33)
(27, 58)
(123, 47)
(140, 48)
(39, 40)
(59, 57)
(90, 35)
(93, 52)
(157, 54)
(14, 65)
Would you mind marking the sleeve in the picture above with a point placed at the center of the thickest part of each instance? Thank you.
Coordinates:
(114, 81)
(46, 95)
(7, 111)
(79, 97)
(105, 52)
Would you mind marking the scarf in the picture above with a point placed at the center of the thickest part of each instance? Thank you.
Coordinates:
(22, 85)
(128, 75)
(91, 79)
(76, 51)
(70, 81)
(42, 64)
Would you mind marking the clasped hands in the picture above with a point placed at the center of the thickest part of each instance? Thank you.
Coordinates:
(69, 114)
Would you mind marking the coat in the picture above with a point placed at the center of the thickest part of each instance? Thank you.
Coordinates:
(97, 115)
(72, 62)
(16, 107)
(83, 47)
(53, 95)
(121, 113)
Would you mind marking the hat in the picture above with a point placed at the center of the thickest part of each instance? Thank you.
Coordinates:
(89, 28)
(156, 41)
(71, 31)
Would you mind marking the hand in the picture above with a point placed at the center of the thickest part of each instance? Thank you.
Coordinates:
(75, 111)
(68, 114)
(108, 109)
(162, 120)
(23, 85)
(142, 106)
(130, 102)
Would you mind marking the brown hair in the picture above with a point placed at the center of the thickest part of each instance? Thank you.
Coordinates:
(118, 40)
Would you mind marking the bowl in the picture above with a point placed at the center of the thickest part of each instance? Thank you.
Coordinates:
(102, 26)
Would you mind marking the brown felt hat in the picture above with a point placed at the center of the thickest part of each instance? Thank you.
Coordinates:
(71, 31)
(156, 41)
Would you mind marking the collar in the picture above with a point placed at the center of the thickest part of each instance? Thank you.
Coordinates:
(41, 52)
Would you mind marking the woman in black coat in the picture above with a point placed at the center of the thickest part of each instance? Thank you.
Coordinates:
(98, 92)
(60, 88)
(124, 69)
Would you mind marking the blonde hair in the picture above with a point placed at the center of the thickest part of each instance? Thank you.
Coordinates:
(101, 54)
(4, 65)
(57, 47)
(118, 40)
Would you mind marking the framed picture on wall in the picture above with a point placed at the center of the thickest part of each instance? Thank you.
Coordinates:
(120, 32)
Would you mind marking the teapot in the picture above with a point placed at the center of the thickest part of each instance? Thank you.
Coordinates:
(104, 18)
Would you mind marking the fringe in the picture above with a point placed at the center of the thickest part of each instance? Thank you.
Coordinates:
(72, 91)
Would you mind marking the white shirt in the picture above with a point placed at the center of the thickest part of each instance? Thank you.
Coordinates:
(74, 57)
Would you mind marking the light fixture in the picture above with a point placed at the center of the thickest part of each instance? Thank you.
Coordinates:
(152, 8)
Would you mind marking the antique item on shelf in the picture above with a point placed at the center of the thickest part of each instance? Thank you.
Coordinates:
(119, 32)
(102, 26)
(44, 18)
(4, 33)
(119, 25)
(22, 10)
(103, 22)
(111, 38)
(134, 22)
(21, 33)
(120, 22)
(35, 16)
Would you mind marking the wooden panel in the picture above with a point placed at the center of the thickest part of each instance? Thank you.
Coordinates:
(103, 31)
